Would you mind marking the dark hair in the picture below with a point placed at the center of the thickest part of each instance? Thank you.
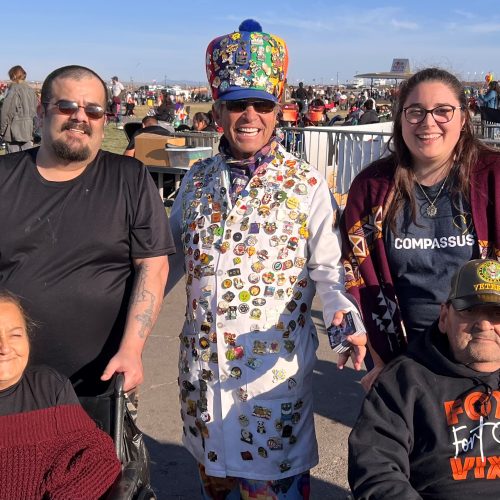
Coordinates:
(368, 104)
(17, 73)
(494, 85)
(73, 72)
(202, 117)
(11, 298)
(466, 152)
(150, 119)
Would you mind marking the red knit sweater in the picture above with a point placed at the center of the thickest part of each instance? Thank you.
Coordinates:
(56, 453)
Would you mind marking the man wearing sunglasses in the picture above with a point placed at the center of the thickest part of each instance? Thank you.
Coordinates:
(85, 239)
(254, 227)
(429, 427)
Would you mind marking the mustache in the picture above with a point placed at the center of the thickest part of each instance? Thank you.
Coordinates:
(84, 127)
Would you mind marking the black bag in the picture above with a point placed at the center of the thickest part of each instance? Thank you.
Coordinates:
(111, 414)
(134, 447)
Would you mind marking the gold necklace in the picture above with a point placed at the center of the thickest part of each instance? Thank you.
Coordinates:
(432, 210)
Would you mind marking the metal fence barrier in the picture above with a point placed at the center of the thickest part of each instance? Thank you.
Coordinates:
(340, 154)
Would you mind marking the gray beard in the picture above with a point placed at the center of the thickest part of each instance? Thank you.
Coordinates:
(64, 152)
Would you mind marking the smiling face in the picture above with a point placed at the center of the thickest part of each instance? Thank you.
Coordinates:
(75, 137)
(14, 344)
(247, 131)
(431, 143)
(474, 335)
(199, 125)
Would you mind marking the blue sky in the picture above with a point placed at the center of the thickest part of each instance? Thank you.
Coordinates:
(166, 39)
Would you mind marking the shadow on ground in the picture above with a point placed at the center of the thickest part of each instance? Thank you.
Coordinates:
(337, 393)
(174, 475)
(337, 397)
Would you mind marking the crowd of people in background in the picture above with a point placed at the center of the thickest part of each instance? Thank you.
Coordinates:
(340, 106)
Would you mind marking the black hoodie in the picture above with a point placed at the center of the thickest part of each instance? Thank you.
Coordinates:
(429, 428)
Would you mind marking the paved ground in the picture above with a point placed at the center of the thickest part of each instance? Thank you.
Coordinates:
(337, 394)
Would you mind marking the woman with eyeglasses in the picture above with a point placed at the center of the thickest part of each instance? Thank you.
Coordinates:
(18, 112)
(415, 216)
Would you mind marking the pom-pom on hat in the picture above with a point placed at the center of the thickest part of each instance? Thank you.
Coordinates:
(247, 64)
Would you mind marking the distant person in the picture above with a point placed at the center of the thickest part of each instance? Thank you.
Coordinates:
(165, 112)
(181, 113)
(490, 99)
(353, 116)
(18, 112)
(116, 94)
(203, 123)
(149, 126)
(130, 105)
(301, 97)
(318, 102)
(369, 114)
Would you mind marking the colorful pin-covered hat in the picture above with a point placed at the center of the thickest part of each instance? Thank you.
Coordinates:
(247, 64)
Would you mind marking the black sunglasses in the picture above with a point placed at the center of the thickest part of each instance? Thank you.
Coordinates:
(93, 111)
(260, 106)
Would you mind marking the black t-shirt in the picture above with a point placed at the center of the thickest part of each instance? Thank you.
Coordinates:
(152, 129)
(301, 93)
(40, 387)
(67, 250)
(424, 259)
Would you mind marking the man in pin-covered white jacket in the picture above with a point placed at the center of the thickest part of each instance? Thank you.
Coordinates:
(255, 232)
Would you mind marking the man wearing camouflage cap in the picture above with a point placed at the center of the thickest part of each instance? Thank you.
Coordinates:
(257, 235)
(430, 426)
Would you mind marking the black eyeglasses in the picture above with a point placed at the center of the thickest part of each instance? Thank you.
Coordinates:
(261, 106)
(441, 114)
(93, 111)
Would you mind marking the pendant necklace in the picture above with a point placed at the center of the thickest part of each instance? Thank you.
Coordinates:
(432, 209)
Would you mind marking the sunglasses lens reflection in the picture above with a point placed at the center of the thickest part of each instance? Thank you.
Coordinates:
(67, 107)
(70, 107)
(241, 105)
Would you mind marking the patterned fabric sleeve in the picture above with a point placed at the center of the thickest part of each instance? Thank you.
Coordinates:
(367, 274)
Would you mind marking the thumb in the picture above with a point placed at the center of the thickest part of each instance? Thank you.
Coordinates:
(109, 371)
(358, 340)
(338, 317)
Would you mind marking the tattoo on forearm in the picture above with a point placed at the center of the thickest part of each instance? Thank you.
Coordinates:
(142, 296)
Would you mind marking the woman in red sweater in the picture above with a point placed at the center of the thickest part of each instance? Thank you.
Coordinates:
(49, 447)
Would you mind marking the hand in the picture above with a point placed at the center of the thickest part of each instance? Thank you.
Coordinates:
(130, 364)
(369, 379)
(357, 352)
